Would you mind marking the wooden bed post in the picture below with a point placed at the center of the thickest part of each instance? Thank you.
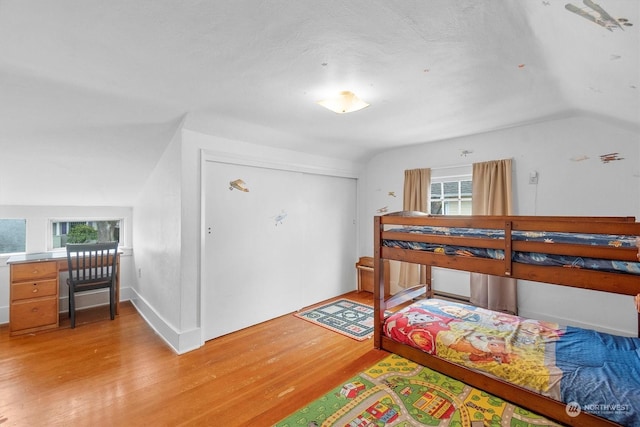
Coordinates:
(426, 278)
(378, 283)
(507, 249)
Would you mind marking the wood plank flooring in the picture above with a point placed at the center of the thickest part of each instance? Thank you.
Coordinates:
(120, 373)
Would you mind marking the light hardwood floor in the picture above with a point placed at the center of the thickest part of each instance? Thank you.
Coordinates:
(120, 373)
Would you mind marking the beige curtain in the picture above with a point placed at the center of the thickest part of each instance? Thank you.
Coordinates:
(417, 188)
(492, 196)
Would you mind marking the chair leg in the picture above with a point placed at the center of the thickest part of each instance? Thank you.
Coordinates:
(72, 308)
(112, 302)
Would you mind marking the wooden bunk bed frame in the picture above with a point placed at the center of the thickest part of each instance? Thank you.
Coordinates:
(620, 283)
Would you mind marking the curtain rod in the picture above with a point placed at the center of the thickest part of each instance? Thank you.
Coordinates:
(453, 167)
(462, 166)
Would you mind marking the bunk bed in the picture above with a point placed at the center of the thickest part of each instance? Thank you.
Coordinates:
(534, 364)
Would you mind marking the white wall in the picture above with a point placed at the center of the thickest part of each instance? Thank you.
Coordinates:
(38, 218)
(168, 230)
(566, 187)
(157, 289)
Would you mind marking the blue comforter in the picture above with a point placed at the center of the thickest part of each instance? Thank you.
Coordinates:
(526, 257)
(601, 372)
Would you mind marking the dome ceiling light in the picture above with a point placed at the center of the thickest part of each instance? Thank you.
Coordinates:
(345, 102)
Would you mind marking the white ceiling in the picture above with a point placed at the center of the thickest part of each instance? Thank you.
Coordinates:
(89, 87)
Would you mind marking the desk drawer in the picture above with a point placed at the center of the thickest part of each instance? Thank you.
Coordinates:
(33, 271)
(33, 313)
(35, 289)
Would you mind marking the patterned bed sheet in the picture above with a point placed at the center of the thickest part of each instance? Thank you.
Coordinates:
(598, 371)
(525, 257)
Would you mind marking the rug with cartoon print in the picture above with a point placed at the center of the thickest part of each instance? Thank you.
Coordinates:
(398, 392)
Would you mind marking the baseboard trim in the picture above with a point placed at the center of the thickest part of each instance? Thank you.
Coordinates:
(180, 342)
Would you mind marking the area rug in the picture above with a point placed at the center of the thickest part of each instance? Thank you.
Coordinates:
(399, 392)
(344, 316)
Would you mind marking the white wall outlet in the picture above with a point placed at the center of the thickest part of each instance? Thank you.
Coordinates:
(533, 177)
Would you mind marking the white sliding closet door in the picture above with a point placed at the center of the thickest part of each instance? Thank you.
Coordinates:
(288, 242)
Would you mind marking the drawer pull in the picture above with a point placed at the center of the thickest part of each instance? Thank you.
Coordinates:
(35, 290)
(34, 310)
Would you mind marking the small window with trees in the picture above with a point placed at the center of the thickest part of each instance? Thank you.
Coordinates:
(89, 231)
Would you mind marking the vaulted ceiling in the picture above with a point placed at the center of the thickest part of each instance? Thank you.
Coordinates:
(90, 87)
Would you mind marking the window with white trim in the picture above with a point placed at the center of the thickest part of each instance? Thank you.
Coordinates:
(84, 231)
(451, 195)
(13, 235)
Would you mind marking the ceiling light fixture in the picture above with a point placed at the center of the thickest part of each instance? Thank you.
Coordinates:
(345, 102)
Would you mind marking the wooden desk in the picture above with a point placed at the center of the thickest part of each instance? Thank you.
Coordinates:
(35, 291)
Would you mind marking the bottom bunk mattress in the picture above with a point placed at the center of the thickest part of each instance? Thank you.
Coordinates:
(598, 371)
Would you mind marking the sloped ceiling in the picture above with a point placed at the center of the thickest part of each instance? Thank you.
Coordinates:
(95, 87)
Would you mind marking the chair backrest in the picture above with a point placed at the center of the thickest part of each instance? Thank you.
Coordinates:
(92, 263)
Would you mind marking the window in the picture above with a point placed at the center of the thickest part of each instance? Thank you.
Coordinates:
(63, 232)
(451, 196)
(13, 235)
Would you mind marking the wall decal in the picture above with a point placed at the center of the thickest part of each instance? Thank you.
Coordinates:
(383, 210)
(611, 157)
(579, 158)
(625, 22)
(280, 217)
(594, 13)
(392, 193)
(465, 153)
(238, 184)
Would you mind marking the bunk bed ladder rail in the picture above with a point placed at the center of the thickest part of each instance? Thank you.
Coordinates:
(508, 226)
(378, 283)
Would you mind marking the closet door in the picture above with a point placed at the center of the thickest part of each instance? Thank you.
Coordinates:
(287, 242)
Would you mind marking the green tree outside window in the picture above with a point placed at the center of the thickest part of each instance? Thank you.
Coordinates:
(82, 234)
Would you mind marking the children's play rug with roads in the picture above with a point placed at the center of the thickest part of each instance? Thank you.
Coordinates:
(398, 392)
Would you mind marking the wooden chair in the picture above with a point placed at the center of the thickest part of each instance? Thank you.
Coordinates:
(91, 266)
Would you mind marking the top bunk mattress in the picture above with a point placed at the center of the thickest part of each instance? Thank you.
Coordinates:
(599, 371)
(535, 258)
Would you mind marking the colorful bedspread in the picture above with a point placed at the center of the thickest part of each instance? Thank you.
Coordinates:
(598, 371)
(525, 257)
